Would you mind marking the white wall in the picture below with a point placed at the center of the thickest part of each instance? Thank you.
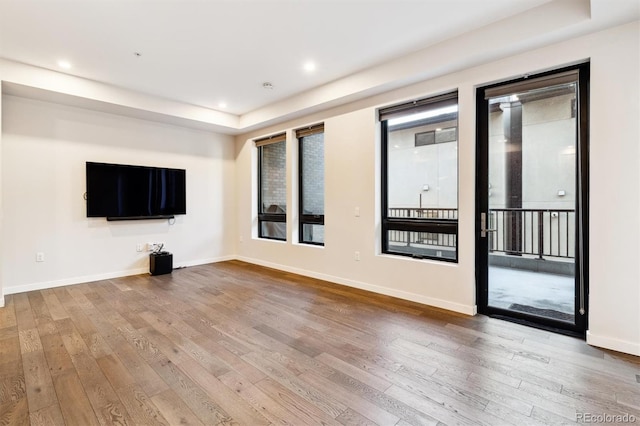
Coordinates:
(44, 150)
(352, 180)
(615, 199)
(1, 209)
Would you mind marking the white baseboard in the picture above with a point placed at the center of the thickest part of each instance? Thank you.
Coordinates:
(430, 301)
(99, 277)
(618, 345)
(73, 280)
(2, 301)
(592, 339)
(204, 261)
(412, 297)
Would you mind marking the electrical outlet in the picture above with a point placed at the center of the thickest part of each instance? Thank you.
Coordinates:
(139, 247)
(39, 256)
(241, 239)
(356, 256)
(150, 246)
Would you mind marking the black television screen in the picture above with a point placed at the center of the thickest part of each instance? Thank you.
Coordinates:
(118, 191)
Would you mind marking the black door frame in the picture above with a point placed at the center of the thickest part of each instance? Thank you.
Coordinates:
(582, 210)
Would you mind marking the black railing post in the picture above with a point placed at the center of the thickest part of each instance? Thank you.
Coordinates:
(540, 233)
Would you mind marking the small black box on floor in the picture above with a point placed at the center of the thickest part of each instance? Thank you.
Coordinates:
(160, 263)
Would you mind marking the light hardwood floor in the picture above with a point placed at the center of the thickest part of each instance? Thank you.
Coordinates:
(234, 343)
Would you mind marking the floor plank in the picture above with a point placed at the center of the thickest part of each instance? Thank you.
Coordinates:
(260, 401)
(174, 409)
(74, 404)
(40, 390)
(48, 416)
(140, 407)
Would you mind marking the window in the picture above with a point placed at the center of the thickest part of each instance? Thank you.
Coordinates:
(272, 187)
(420, 178)
(311, 164)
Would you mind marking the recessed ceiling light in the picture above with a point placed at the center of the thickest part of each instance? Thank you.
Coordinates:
(64, 64)
(222, 105)
(309, 66)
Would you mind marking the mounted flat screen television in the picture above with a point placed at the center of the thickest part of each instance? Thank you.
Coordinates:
(123, 192)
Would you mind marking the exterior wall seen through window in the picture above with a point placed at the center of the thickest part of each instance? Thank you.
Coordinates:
(272, 193)
(311, 168)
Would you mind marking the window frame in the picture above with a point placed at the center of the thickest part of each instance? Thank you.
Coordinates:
(418, 225)
(307, 219)
(269, 217)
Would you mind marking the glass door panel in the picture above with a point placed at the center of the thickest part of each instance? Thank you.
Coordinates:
(529, 221)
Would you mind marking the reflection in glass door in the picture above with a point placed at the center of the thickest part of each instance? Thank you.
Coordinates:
(532, 157)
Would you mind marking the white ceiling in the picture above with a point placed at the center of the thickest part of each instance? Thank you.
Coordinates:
(206, 52)
(196, 54)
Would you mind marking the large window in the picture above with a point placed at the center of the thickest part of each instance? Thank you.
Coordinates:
(420, 178)
(311, 164)
(272, 187)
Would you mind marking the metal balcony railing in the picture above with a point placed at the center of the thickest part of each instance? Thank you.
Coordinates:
(538, 232)
(425, 238)
(423, 213)
(535, 232)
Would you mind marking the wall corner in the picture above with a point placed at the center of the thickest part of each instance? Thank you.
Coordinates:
(1, 196)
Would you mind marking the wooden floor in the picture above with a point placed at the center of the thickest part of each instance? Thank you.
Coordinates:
(233, 343)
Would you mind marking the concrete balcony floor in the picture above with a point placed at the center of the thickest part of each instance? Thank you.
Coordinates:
(546, 294)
